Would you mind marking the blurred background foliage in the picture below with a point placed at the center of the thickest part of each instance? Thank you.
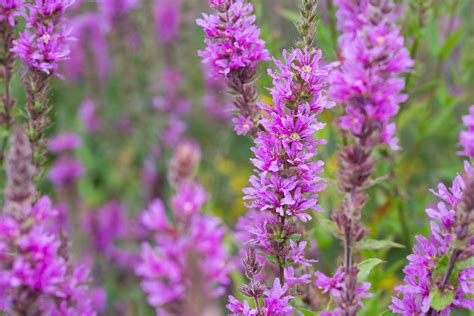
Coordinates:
(440, 37)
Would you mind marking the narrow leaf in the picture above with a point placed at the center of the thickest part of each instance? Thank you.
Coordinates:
(306, 312)
(365, 267)
(373, 244)
(440, 300)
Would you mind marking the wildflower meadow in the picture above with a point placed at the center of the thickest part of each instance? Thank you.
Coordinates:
(236, 157)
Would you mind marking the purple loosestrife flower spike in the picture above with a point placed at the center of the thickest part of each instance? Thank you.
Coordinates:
(367, 83)
(186, 262)
(41, 47)
(233, 50)
(442, 263)
(44, 42)
(287, 181)
(9, 11)
(36, 274)
(287, 178)
(186, 267)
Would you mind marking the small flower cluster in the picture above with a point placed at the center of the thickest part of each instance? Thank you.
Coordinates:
(466, 138)
(367, 82)
(287, 181)
(275, 300)
(187, 253)
(188, 266)
(233, 40)
(233, 50)
(428, 266)
(66, 170)
(441, 265)
(108, 226)
(10, 10)
(37, 276)
(288, 176)
(344, 289)
(44, 42)
(167, 18)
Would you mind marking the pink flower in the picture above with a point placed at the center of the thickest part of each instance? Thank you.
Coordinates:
(65, 142)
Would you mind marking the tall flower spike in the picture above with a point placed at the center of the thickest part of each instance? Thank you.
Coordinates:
(233, 50)
(367, 82)
(443, 263)
(41, 47)
(20, 191)
(186, 266)
(37, 275)
(287, 181)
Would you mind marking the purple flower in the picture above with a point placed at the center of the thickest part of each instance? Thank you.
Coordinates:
(9, 10)
(44, 42)
(275, 303)
(368, 82)
(243, 125)
(88, 115)
(233, 50)
(65, 142)
(291, 279)
(466, 138)
(187, 253)
(189, 199)
(167, 17)
(448, 230)
(332, 285)
(34, 270)
(233, 41)
(107, 227)
(287, 181)
(65, 171)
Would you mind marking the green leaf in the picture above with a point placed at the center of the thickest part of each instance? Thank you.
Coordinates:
(440, 300)
(306, 312)
(270, 258)
(373, 244)
(365, 267)
(450, 43)
(295, 237)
